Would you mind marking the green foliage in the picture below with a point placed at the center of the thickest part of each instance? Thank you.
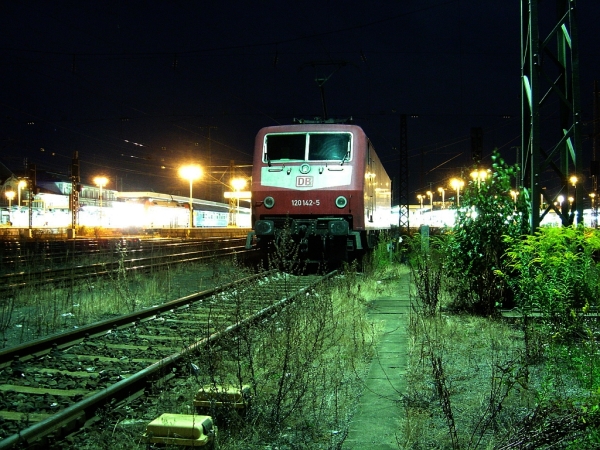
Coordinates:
(554, 271)
(476, 246)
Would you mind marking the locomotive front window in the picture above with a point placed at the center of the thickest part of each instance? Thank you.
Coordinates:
(285, 147)
(329, 146)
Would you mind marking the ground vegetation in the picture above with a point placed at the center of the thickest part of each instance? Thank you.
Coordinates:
(504, 331)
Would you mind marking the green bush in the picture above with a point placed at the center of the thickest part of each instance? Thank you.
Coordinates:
(476, 246)
(554, 272)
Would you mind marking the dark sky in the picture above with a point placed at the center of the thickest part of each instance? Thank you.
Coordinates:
(140, 87)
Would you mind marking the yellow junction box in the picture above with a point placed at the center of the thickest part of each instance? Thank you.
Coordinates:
(222, 396)
(181, 429)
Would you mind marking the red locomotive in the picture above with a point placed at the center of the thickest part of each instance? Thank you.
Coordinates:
(321, 184)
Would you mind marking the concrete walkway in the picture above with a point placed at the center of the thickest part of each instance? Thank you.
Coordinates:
(376, 422)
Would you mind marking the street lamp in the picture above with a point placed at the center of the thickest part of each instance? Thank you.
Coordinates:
(421, 197)
(237, 184)
(190, 173)
(20, 185)
(573, 180)
(456, 184)
(479, 176)
(442, 191)
(10, 195)
(430, 195)
(594, 212)
(100, 182)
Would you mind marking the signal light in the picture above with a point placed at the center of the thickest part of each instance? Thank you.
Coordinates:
(269, 202)
(341, 202)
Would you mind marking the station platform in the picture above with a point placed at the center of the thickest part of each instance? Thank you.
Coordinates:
(376, 424)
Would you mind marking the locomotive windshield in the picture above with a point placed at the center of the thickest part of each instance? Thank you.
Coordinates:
(321, 147)
(329, 146)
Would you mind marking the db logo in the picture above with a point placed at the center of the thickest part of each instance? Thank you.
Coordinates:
(304, 181)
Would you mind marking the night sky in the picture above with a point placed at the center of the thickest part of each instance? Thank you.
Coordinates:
(140, 87)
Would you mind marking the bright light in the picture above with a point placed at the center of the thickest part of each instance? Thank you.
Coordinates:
(456, 184)
(10, 195)
(191, 172)
(479, 175)
(573, 180)
(238, 183)
(20, 186)
(100, 181)
(421, 197)
(442, 191)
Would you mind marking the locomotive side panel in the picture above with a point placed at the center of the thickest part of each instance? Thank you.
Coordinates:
(377, 193)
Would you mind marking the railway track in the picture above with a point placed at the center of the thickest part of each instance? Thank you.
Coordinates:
(125, 260)
(16, 256)
(53, 386)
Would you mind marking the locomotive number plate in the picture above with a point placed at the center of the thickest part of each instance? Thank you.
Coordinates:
(306, 202)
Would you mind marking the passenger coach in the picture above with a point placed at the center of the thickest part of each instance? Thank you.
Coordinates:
(324, 184)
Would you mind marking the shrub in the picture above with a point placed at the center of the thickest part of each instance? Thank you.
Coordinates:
(476, 246)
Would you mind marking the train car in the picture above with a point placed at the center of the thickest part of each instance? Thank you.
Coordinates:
(321, 184)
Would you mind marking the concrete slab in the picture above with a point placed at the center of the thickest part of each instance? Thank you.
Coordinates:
(377, 421)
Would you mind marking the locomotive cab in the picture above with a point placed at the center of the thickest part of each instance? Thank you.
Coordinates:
(320, 186)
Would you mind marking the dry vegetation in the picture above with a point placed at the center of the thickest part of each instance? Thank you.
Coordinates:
(531, 382)
(304, 368)
(32, 313)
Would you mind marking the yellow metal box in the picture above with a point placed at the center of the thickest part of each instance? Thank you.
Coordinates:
(181, 429)
(222, 396)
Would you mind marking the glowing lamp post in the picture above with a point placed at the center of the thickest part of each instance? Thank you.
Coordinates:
(190, 173)
(479, 176)
(237, 184)
(421, 197)
(20, 186)
(442, 191)
(456, 184)
(573, 180)
(10, 195)
(100, 182)
(594, 212)
(430, 195)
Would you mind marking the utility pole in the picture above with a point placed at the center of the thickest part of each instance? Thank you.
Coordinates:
(74, 197)
(31, 174)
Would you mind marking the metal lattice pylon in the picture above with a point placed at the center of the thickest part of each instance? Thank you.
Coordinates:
(551, 140)
(403, 210)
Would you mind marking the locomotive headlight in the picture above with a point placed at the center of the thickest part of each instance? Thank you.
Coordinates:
(341, 201)
(269, 202)
(264, 227)
(338, 227)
